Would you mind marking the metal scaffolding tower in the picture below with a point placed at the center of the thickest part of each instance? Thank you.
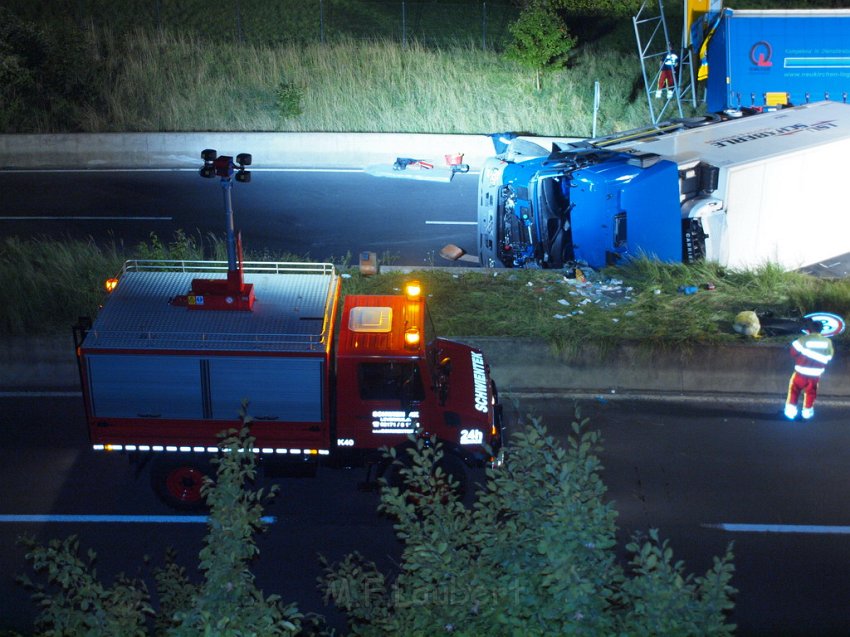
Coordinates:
(653, 43)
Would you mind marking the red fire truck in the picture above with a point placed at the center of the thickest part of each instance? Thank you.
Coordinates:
(178, 346)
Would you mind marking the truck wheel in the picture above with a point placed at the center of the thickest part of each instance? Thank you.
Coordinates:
(696, 122)
(178, 482)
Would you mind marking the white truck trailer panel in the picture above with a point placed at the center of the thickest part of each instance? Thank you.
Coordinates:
(782, 182)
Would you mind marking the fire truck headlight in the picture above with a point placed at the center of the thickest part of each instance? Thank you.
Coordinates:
(413, 290)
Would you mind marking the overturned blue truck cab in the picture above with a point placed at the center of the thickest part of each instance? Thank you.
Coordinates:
(584, 204)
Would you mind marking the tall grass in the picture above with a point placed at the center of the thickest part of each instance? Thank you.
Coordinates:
(49, 283)
(55, 281)
(544, 304)
(164, 81)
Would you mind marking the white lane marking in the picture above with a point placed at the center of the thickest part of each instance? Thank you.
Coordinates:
(451, 223)
(309, 170)
(819, 529)
(80, 218)
(120, 519)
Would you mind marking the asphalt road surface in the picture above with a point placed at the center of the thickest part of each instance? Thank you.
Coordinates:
(705, 474)
(319, 214)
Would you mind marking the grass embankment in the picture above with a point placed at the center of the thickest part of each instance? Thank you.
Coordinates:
(54, 282)
(155, 81)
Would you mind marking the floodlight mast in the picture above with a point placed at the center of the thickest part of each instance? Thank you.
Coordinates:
(231, 293)
(223, 166)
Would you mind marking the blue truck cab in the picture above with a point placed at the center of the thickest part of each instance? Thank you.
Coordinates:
(578, 203)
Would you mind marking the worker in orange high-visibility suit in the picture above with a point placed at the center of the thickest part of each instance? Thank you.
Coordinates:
(811, 353)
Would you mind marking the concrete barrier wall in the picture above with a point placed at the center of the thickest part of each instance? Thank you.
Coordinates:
(760, 369)
(519, 365)
(269, 150)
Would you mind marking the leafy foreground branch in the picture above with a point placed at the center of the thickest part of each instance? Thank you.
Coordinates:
(226, 604)
(535, 555)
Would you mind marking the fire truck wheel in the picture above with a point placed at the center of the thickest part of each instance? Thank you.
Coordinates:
(178, 482)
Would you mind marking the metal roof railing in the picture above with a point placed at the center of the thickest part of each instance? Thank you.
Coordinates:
(258, 267)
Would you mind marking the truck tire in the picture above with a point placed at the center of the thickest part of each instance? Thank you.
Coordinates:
(178, 482)
(696, 122)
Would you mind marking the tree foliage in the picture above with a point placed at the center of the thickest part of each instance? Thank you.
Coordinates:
(541, 40)
(73, 601)
(598, 7)
(535, 555)
(227, 603)
(49, 76)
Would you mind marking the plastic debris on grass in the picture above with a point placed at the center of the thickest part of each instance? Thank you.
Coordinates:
(588, 288)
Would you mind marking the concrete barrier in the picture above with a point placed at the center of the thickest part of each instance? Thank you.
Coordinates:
(520, 365)
(269, 150)
(759, 369)
(38, 362)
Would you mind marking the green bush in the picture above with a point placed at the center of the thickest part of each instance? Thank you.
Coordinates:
(51, 77)
(74, 602)
(226, 603)
(535, 555)
(289, 97)
(542, 40)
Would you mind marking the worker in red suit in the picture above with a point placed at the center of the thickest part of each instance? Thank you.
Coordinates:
(811, 353)
(668, 68)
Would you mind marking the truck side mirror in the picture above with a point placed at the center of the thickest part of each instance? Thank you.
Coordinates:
(407, 393)
(444, 369)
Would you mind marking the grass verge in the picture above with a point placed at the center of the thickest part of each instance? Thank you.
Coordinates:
(54, 282)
